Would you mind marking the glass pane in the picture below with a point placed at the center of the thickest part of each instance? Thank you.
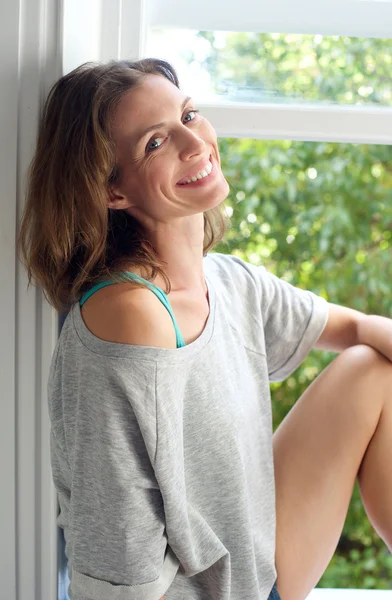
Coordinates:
(289, 68)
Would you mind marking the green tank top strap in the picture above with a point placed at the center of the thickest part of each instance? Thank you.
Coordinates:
(155, 289)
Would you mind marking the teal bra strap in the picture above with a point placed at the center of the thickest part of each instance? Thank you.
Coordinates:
(155, 289)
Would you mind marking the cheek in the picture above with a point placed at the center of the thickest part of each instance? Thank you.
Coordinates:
(209, 131)
(156, 174)
(159, 170)
(210, 136)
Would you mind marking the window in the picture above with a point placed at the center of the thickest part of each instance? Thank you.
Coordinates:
(278, 68)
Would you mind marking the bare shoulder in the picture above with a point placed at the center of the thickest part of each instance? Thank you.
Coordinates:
(126, 314)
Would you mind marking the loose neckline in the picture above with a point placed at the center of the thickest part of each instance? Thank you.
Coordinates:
(116, 349)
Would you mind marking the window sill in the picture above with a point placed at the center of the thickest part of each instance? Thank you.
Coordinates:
(339, 594)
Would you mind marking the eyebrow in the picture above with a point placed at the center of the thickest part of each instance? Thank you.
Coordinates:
(159, 125)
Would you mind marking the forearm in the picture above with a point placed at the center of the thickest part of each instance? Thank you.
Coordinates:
(376, 331)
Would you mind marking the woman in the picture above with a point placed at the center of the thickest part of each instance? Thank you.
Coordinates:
(161, 440)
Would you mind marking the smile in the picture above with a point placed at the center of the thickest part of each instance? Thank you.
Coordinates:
(204, 172)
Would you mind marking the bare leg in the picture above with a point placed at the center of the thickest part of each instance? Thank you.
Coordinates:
(341, 427)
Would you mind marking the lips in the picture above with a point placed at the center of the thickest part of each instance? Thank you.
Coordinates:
(195, 170)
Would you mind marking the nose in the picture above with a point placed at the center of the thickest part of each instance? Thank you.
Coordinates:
(191, 145)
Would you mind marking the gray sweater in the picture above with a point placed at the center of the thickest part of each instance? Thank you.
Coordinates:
(162, 458)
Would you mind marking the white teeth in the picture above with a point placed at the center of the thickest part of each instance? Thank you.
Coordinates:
(201, 174)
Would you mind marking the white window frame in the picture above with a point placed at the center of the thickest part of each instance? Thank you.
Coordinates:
(309, 123)
(40, 40)
(358, 18)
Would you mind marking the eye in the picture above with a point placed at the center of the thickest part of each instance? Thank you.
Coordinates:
(153, 144)
(191, 112)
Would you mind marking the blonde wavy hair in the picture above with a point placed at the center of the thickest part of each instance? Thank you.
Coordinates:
(68, 238)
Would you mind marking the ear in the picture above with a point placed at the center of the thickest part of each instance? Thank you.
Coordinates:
(116, 200)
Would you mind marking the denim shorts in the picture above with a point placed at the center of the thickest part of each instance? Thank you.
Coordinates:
(274, 595)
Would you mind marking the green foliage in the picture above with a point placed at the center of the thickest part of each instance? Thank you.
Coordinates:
(300, 67)
(318, 215)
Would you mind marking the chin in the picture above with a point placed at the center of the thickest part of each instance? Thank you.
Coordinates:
(217, 201)
(227, 190)
(222, 193)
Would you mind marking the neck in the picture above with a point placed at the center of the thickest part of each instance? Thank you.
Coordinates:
(180, 245)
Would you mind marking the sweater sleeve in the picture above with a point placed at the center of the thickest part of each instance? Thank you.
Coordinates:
(293, 320)
(279, 320)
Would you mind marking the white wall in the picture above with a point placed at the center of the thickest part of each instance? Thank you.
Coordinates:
(29, 51)
(8, 148)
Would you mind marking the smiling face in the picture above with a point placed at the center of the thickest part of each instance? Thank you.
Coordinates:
(167, 154)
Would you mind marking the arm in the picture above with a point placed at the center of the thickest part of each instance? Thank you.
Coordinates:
(347, 327)
(132, 316)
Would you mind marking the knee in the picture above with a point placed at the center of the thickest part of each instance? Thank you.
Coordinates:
(364, 375)
(362, 361)
(362, 355)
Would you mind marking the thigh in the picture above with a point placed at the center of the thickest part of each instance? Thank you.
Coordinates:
(318, 449)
